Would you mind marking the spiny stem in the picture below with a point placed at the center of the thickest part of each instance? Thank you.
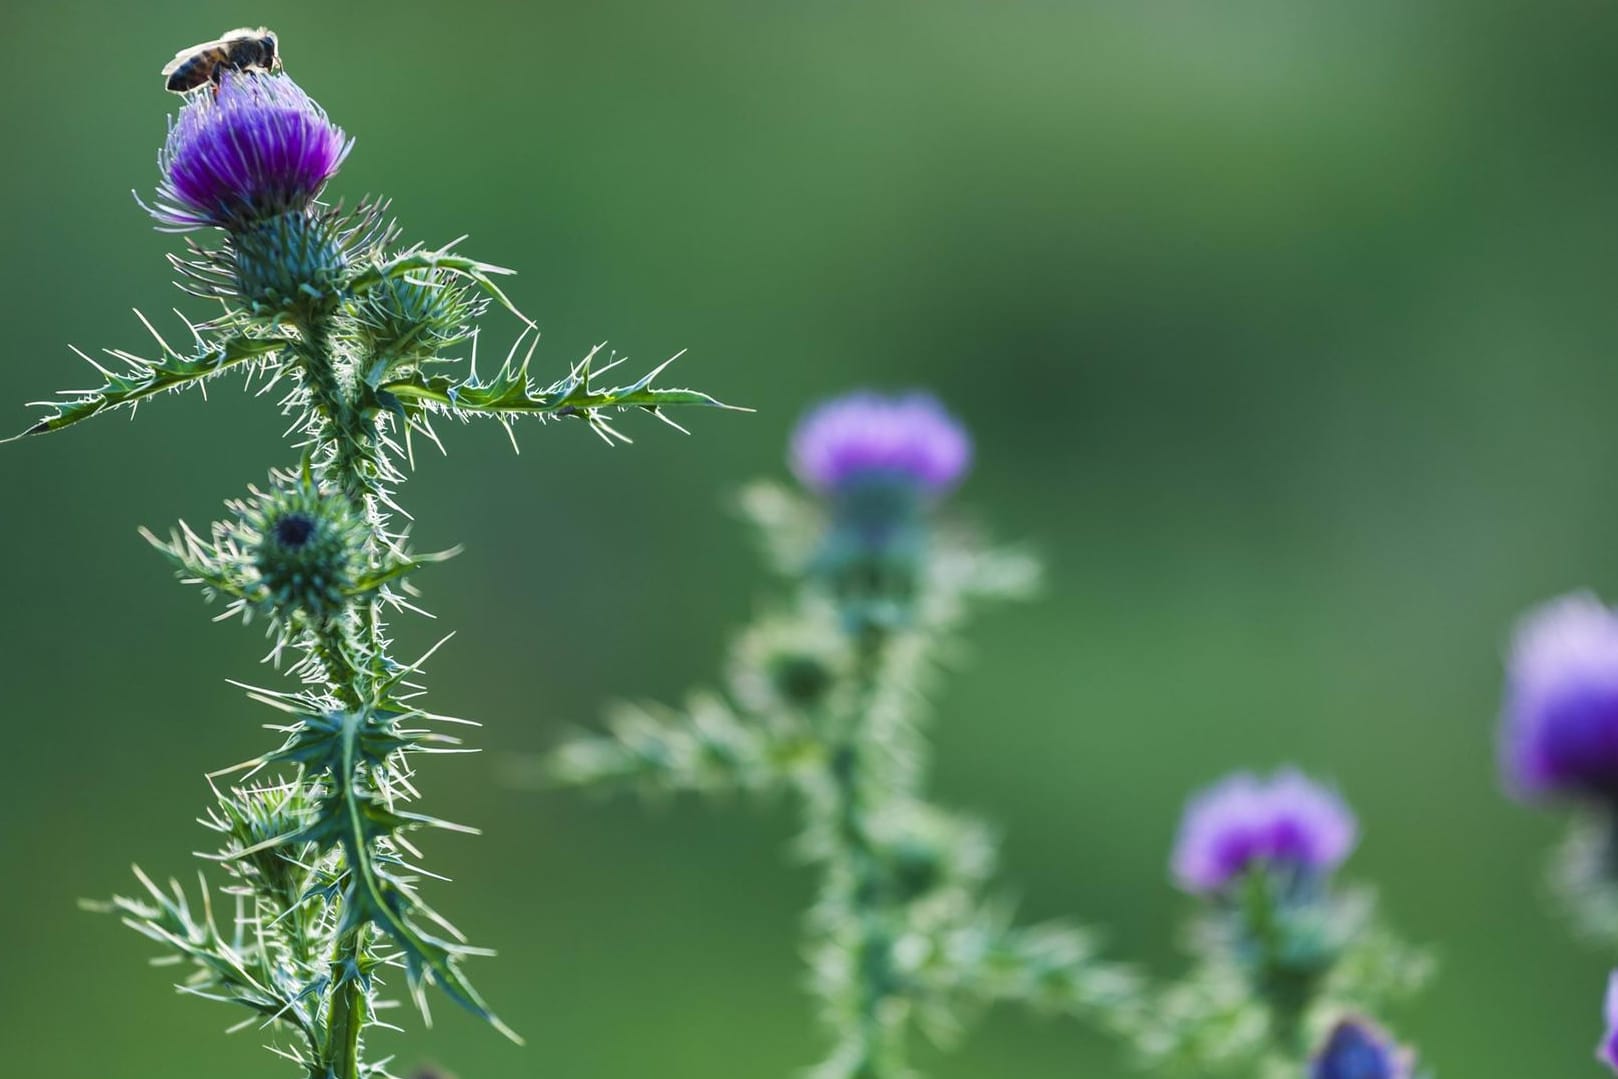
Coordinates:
(348, 1013)
(879, 1046)
(347, 429)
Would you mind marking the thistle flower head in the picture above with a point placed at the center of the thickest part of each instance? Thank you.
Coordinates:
(1356, 1049)
(1607, 1051)
(258, 148)
(1287, 822)
(1559, 727)
(907, 440)
(305, 545)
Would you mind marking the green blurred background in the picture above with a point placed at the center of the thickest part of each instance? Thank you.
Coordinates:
(1286, 330)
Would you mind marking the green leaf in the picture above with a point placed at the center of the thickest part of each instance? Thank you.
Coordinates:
(141, 378)
(421, 262)
(372, 894)
(396, 568)
(512, 392)
(232, 967)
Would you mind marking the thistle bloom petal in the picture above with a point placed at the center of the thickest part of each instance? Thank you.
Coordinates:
(1356, 1049)
(1288, 821)
(1607, 1051)
(1559, 727)
(257, 148)
(909, 438)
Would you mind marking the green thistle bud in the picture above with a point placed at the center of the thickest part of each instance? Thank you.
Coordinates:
(790, 667)
(405, 321)
(873, 585)
(925, 849)
(306, 548)
(256, 823)
(289, 264)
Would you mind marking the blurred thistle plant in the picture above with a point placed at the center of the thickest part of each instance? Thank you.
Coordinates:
(320, 903)
(1285, 960)
(827, 700)
(1559, 741)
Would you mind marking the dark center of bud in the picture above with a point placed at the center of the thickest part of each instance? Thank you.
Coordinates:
(918, 867)
(294, 529)
(799, 679)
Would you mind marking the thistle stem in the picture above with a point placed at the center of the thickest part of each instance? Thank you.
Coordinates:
(348, 431)
(877, 1044)
(346, 1020)
(346, 427)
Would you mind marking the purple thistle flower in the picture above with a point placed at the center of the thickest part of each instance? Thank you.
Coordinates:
(1356, 1049)
(1286, 821)
(1607, 1051)
(866, 435)
(1559, 727)
(258, 148)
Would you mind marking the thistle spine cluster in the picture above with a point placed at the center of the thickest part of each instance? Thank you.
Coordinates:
(320, 907)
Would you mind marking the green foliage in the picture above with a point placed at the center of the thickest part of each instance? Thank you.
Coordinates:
(512, 392)
(137, 379)
(1583, 883)
(827, 705)
(354, 763)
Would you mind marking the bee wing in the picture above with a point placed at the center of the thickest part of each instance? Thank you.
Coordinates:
(179, 58)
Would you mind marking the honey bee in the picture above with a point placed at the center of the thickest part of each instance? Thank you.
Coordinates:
(246, 49)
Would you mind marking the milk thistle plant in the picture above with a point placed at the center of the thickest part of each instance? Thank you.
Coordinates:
(362, 334)
(826, 700)
(1559, 742)
(1287, 963)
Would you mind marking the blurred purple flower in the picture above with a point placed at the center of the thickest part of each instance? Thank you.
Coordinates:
(1559, 728)
(1607, 1051)
(863, 435)
(257, 148)
(1286, 821)
(1356, 1049)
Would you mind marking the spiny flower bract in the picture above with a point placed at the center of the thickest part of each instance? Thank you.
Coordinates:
(1559, 727)
(1287, 822)
(1356, 1049)
(257, 148)
(908, 439)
